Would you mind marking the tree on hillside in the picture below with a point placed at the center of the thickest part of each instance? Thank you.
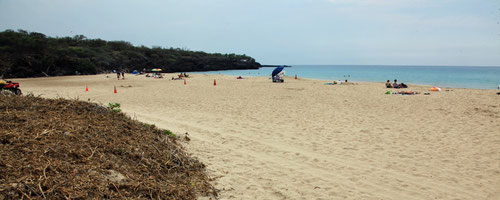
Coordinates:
(32, 54)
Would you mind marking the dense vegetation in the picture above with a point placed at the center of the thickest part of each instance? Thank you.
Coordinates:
(32, 54)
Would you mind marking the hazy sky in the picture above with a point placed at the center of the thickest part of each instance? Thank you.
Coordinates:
(410, 32)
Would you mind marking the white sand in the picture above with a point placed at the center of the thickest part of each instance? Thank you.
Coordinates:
(305, 140)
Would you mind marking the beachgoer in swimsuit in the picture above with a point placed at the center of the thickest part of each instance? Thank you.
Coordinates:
(395, 84)
(388, 84)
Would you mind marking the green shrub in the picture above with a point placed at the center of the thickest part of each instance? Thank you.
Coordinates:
(114, 107)
(168, 132)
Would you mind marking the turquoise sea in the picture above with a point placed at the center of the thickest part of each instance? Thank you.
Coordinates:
(441, 76)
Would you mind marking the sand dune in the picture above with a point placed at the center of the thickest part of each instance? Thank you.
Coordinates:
(306, 140)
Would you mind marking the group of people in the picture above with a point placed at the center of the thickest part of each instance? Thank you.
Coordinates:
(340, 82)
(118, 73)
(155, 75)
(181, 76)
(395, 84)
(278, 79)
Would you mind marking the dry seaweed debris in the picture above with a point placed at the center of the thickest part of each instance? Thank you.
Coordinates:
(67, 149)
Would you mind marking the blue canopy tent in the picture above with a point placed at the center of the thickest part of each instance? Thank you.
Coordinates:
(275, 73)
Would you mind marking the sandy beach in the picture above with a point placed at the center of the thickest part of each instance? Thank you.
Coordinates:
(302, 139)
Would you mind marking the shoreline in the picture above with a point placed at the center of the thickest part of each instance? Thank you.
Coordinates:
(111, 75)
(458, 77)
(367, 82)
(302, 139)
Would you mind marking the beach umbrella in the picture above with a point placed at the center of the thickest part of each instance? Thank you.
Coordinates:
(277, 71)
(156, 70)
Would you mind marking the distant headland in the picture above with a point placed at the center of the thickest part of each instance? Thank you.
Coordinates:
(276, 66)
(30, 54)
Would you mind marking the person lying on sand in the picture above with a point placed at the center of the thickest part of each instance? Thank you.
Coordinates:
(348, 83)
(407, 92)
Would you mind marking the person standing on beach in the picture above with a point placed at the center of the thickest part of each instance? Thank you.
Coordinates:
(123, 75)
(117, 74)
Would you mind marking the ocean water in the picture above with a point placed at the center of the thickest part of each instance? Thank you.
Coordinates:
(440, 76)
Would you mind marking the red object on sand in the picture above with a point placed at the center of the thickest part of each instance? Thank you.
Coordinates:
(116, 90)
(86, 88)
(11, 86)
(215, 83)
(184, 82)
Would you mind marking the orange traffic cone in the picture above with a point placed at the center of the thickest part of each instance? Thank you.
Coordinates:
(116, 90)
(86, 88)
(184, 81)
(215, 83)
